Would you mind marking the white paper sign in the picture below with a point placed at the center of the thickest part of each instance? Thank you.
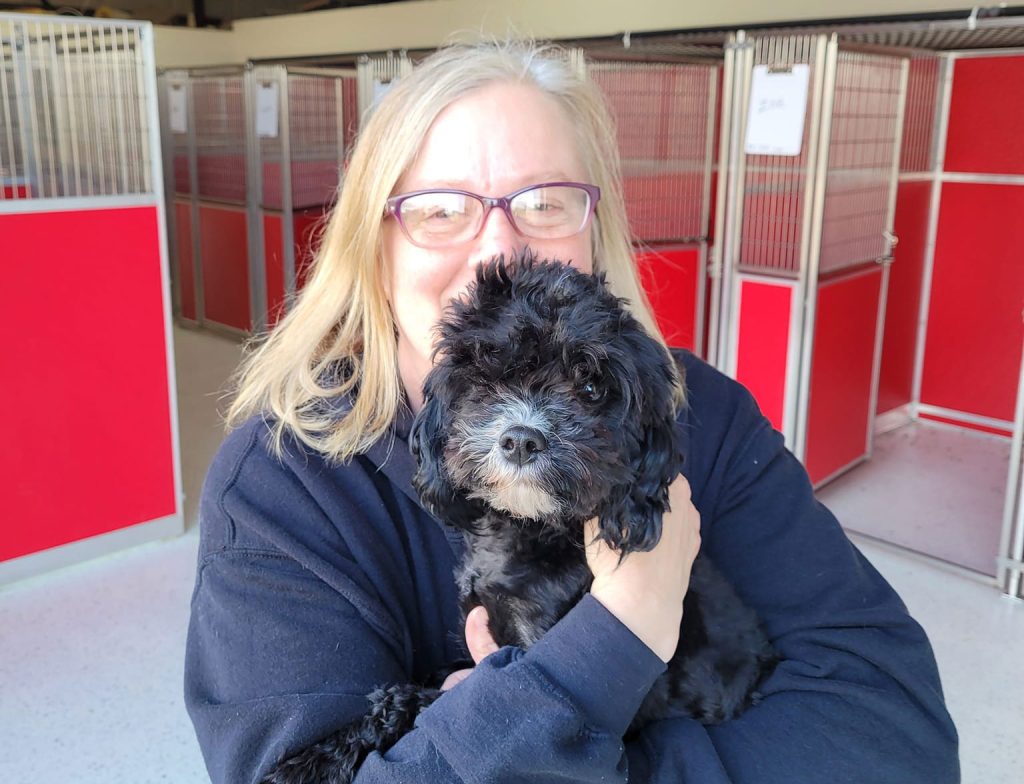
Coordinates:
(178, 109)
(778, 103)
(380, 89)
(267, 94)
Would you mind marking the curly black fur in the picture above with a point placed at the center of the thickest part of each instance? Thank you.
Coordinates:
(548, 405)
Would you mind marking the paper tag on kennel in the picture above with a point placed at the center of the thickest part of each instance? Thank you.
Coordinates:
(778, 103)
(178, 109)
(267, 95)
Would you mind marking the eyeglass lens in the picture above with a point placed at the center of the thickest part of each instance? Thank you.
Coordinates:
(548, 212)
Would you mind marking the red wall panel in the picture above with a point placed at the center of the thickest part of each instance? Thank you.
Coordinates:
(84, 406)
(670, 277)
(273, 255)
(183, 251)
(223, 241)
(839, 413)
(308, 227)
(896, 378)
(763, 345)
(973, 343)
(986, 116)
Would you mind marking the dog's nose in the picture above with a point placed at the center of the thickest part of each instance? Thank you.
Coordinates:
(521, 444)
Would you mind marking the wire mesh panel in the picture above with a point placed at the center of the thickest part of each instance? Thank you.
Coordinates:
(176, 99)
(776, 193)
(219, 117)
(375, 75)
(661, 114)
(864, 143)
(320, 116)
(916, 150)
(73, 116)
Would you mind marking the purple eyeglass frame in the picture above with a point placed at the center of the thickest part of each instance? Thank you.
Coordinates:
(393, 206)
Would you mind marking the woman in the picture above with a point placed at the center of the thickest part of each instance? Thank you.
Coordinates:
(320, 577)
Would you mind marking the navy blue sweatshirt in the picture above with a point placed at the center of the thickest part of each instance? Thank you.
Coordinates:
(318, 582)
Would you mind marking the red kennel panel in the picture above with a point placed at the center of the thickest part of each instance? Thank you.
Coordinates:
(903, 304)
(224, 259)
(767, 345)
(671, 277)
(88, 428)
(986, 115)
(973, 343)
(184, 261)
(840, 416)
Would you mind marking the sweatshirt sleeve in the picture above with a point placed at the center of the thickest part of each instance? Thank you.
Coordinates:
(856, 696)
(280, 655)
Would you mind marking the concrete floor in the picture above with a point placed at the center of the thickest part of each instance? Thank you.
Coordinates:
(91, 663)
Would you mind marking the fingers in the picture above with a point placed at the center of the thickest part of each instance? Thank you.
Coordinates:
(478, 636)
(455, 679)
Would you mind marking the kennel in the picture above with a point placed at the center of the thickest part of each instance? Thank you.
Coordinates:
(89, 396)
(807, 236)
(257, 153)
(665, 116)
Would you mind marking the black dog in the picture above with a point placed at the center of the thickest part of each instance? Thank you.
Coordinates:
(549, 405)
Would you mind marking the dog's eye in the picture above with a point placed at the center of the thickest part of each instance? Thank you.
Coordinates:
(591, 392)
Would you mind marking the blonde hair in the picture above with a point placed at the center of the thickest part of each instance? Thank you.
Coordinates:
(342, 314)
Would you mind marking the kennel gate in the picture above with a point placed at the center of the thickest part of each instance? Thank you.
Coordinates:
(807, 241)
(87, 319)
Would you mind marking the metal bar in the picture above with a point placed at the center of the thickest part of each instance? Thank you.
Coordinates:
(83, 109)
(328, 72)
(287, 217)
(1013, 525)
(71, 114)
(736, 188)
(254, 190)
(146, 136)
(827, 53)
(987, 179)
(30, 118)
(938, 162)
(60, 106)
(883, 304)
(66, 203)
(152, 117)
(93, 109)
(716, 270)
(196, 230)
(966, 416)
(9, 118)
(114, 71)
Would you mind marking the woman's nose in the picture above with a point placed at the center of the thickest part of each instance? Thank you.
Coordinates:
(497, 236)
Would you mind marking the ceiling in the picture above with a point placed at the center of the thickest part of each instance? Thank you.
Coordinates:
(212, 13)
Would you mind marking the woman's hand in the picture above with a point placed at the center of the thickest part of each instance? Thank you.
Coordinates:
(646, 591)
(479, 642)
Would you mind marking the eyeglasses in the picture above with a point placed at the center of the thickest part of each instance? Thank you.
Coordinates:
(443, 217)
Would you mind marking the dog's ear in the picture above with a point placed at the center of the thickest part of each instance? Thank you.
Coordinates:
(631, 518)
(427, 439)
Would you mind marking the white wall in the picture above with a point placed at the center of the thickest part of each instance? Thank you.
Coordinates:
(428, 23)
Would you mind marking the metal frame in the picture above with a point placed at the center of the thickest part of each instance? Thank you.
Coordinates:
(938, 163)
(152, 195)
(1010, 566)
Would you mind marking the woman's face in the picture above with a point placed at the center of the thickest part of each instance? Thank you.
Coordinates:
(491, 142)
